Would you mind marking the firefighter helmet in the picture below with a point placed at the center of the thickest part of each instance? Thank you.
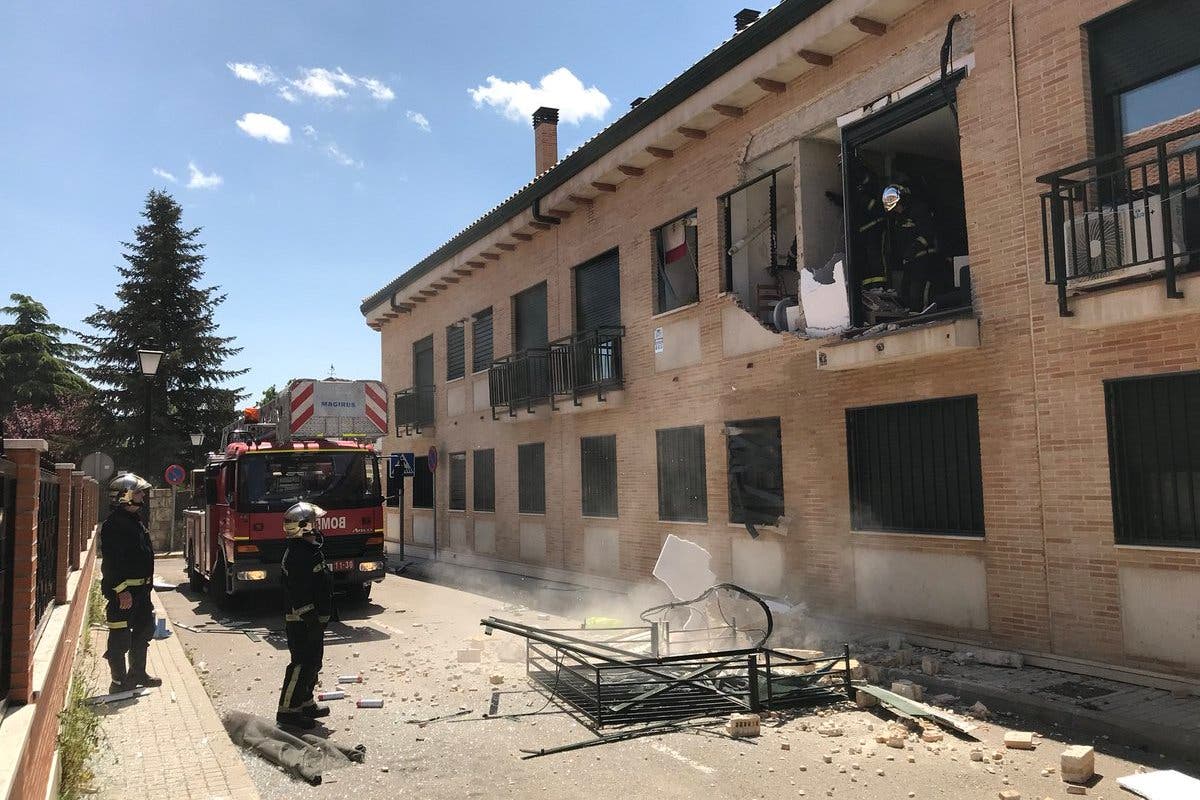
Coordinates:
(123, 488)
(892, 196)
(301, 519)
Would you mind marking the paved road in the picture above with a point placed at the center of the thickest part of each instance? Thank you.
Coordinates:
(405, 643)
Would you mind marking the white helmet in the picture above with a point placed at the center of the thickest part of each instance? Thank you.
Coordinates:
(123, 487)
(301, 519)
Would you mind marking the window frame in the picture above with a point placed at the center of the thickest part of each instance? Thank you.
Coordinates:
(421, 468)
(604, 504)
(461, 458)
(490, 313)
(531, 494)
(477, 483)
(451, 347)
(725, 205)
(658, 266)
(702, 515)
(737, 511)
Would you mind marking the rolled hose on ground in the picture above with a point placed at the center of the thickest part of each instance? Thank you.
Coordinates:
(732, 587)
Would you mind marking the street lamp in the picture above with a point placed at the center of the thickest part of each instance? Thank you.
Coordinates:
(197, 441)
(149, 360)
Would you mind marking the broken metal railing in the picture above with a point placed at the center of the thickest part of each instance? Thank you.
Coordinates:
(622, 676)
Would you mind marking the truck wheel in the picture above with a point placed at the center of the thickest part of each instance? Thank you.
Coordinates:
(216, 584)
(360, 593)
(195, 579)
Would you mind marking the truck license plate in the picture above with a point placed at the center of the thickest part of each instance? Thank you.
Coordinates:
(345, 565)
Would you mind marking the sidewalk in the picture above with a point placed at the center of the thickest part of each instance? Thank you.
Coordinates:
(169, 743)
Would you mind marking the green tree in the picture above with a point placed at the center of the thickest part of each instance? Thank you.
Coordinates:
(162, 307)
(37, 368)
(269, 394)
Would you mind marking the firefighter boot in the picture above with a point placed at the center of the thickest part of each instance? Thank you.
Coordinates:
(315, 711)
(137, 670)
(116, 665)
(295, 719)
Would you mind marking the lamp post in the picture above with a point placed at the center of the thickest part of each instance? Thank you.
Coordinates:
(197, 441)
(149, 360)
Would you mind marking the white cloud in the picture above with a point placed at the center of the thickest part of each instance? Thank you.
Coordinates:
(264, 126)
(323, 83)
(517, 100)
(418, 119)
(337, 155)
(199, 180)
(255, 73)
(162, 173)
(378, 89)
(309, 131)
(289, 95)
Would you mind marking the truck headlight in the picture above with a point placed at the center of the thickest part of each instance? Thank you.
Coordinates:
(252, 575)
(370, 566)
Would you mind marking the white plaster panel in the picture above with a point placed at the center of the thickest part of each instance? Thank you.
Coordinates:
(485, 535)
(458, 533)
(533, 541)
(422, 522)
(758, 563)
(681, 345)
(391, 524)
(456, 399)
(1160, 615)
(483, 398)
(943, 588)
(741, 333)
(601, 550)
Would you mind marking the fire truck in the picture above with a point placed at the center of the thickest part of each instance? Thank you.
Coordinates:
(313, 442)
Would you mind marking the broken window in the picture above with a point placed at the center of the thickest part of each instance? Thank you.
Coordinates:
(760, 239)
(915, 467)
(682, 487)
(458, 481)
(422, 489)
(905, 216)
(1154, 458)
(531, 478)
(456, 358)
(598, 475)
(755, 471)
(484, 481)
(675, 264)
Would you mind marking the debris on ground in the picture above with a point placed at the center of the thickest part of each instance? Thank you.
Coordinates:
(743, 725)
(117, 697)
(979, 711)
(1078, 764)
(1161, 785)
(909, 690)
(370, 702)
(1018, 740)
(911, 708)
(496, 679)
(305, 757)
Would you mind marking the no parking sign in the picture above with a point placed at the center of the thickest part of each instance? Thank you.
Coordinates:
(175, 475)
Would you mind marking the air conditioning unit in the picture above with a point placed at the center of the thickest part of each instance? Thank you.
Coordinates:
(1093, 244)
(1142, 233)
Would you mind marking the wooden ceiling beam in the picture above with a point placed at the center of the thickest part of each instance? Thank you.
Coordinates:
(660, 152)
(561, 213)
(461, 271)
(815, 58)
(490, 256)
(579, 200)
(631, 171)
(416, 298)
(869, 26)
(437, 287)
(692, 133)
(603, 187)
(728, 111)
(523, 237)
(768, 85)
(506, 247)
(451, 279)
(476, 264)
(541, 226)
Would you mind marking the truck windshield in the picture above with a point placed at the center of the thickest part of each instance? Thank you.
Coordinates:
(275, 481)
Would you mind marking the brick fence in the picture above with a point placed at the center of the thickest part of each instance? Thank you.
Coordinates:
(43, 638)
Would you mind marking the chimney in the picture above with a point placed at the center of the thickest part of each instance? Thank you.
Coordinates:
(545, 139)
(743, 18)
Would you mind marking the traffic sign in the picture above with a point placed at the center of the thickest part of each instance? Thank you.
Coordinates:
(400, 465)
(408, 464)
(432, 458)
(175, 475)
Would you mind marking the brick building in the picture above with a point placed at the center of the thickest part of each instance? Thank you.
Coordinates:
(610, 355)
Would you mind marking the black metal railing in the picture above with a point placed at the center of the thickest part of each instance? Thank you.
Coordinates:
(1124, 216)
(587, 363)
(520, 380)
(414, 409)
(8, 514)
(47, 544)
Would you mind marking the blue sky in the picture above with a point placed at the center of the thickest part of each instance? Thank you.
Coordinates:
(99, 95)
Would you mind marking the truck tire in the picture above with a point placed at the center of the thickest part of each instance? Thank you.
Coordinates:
(360, 593)
(216, 585)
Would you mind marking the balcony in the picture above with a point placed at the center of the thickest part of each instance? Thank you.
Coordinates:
(586, 364)
(1114, 226)
(576, 367)
(414, 410)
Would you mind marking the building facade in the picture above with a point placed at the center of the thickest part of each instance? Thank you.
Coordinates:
(970, 415)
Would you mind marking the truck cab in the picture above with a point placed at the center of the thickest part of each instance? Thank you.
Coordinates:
(235, 542)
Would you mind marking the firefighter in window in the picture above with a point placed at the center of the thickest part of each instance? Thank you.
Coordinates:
(910, 250)
(126, 578)
(308, 604)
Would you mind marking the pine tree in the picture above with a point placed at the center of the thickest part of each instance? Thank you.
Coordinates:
(37, 368)
(162, 307)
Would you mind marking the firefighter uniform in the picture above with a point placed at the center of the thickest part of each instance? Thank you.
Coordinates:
(308, 603)
(127, 567)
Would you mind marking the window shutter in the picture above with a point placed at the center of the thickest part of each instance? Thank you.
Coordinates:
(598, 293)
(456, 359)
(682, 487)
(598, 475)
(531, 478)
(481, 340)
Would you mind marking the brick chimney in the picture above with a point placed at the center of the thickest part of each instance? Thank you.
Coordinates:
(743, 18)
(545, 139)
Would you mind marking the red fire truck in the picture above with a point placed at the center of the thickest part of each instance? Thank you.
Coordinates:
(313, 443)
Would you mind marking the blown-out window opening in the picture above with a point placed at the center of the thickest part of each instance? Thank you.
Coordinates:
(676, 264)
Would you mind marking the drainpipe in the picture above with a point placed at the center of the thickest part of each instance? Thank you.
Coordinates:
(538, 216)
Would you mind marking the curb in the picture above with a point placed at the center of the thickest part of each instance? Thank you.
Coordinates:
(1171, 741)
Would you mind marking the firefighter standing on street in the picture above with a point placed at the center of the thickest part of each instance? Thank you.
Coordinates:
(308, 603)
(127, 576)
